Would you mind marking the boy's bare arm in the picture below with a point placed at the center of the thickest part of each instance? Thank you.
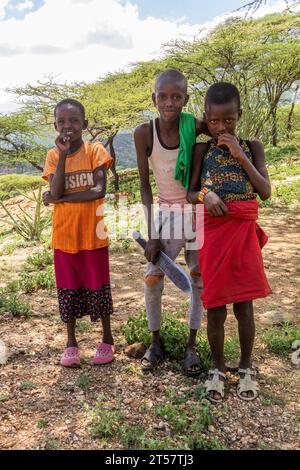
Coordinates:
(97, 192)
(201, 127)
(142, 140)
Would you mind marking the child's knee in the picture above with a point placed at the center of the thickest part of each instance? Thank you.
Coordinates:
(196, 278)
(153, 280)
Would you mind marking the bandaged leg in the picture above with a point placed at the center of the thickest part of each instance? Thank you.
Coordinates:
(196, 307)
(154, 285)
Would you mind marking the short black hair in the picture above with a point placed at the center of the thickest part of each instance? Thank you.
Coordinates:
(171, 75)
(72, 102)
(222, 93)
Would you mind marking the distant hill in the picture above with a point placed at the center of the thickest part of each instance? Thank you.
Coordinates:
(125, 151)
(124, 148)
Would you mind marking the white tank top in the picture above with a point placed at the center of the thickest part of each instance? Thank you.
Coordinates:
(163, 163)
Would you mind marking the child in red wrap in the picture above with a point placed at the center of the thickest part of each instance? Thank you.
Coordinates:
(227, 174)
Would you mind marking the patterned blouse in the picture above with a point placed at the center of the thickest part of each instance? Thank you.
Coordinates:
(224, 175)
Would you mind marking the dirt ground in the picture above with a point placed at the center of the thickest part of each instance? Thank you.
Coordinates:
(52, 412)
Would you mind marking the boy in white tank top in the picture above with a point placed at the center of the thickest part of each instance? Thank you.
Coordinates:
(157, 144)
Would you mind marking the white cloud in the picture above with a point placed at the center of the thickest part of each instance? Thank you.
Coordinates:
(3, 5)
(27, 5)
(81, 40)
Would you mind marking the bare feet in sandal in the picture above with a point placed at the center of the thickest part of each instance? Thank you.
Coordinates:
(248, 388)
(192, 364)
(153, 356)
(215, 385)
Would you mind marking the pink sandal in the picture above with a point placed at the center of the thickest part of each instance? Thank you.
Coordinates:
(104, 354)
(70, 357)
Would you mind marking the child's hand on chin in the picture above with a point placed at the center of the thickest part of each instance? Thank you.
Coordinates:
(62, 142)
(231, 142)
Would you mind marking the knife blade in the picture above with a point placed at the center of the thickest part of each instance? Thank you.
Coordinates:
(174, 272)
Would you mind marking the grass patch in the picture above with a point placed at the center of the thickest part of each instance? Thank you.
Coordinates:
(52, 443)
(41, 260)
(269, 399)
(12, 303)
(42, 423)
(83, 326)
(277, 155)
(104, 420)
(27, 385)
(288, 193)
(83, 382)
(279, 339)
(32, 281)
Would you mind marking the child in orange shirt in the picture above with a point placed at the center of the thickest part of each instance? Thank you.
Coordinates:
(76, 172)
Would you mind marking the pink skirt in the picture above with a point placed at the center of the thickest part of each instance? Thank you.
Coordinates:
(83, 284)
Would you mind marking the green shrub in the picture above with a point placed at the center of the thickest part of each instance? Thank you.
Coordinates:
(42, 259)
(12, 303)
(29, 224)
(12, 185)
(31, 281)
(288, 192)
(104, 421)
(175, 331)
(279, 339)
(275, 155)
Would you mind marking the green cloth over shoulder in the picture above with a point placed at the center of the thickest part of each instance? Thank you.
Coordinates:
(187, 133)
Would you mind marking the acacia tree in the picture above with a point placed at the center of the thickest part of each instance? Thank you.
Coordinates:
(262, 57)
(18, 140)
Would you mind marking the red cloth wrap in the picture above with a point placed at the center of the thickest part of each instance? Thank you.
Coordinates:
(230, 260)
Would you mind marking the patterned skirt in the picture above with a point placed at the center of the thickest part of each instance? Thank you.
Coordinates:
(83, 284)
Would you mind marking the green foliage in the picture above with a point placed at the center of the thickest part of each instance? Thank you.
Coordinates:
(83, 382)
(12, 303)
(174, 332)
(288, 193)
(41, 260)
(132, 437)
(27, 385)
(42, 423)
(31, 281)
(29, 225)
(279, 339)
(104, 421)
(13, 185)
(281, 154)
(52, 443)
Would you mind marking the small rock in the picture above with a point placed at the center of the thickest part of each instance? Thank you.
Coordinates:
(162, 425)
(211, 428)
(135, 350)
(127, 401)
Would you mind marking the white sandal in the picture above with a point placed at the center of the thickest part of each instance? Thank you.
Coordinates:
(247, 384)
(215, 385)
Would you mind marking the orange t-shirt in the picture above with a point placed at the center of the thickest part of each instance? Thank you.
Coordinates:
(79, 226)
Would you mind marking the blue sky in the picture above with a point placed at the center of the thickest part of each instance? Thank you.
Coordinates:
(196, 11)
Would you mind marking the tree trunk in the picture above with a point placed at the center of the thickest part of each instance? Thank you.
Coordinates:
(113, 167)
(274, 125)
(290, 116)
(38, 167)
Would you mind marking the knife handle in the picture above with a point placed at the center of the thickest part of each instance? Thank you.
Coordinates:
(139, 239)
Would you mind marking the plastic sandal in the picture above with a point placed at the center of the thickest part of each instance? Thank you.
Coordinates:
(104, 354)
(153, 356)
(70, 357)
(215, 385)
(247, 384)
(192, 364)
